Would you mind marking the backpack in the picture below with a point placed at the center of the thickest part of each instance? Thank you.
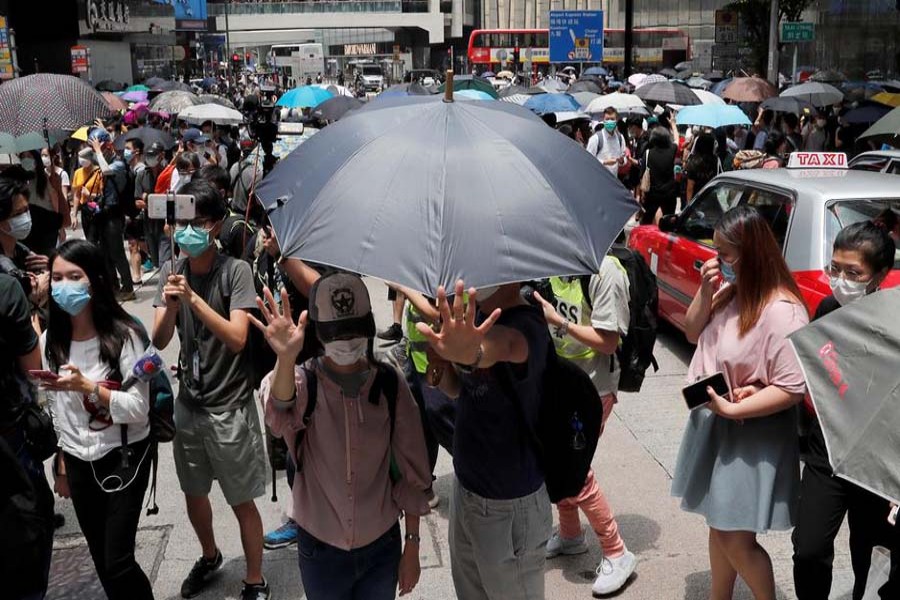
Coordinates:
(635, 351)
(749, 159)
(123, 187)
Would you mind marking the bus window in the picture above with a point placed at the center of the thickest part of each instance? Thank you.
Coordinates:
(479, 41)
(541, 40)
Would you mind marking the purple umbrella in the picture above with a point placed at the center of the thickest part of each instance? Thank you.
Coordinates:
(136, 96)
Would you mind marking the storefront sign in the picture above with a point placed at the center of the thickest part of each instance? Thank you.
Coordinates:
(81, 60)
(6, 66)
(359, 49)
(107, 15)
(190, 15)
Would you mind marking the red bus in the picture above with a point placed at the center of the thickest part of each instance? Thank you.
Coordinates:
(653, 47)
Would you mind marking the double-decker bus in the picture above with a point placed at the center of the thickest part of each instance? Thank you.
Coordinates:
(653, 47)
(298, 61)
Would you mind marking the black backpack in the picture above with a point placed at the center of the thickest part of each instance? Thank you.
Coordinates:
(635, 352)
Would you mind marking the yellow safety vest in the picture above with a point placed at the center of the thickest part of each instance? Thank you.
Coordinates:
(571, 304)
(418, 343)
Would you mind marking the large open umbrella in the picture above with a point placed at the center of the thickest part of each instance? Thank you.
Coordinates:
(475, 95)
(887, 126)
(519, 99)
(653, 78)
(866, 113)
(172, 86)
(173, 102)
(623, 103)
(115, 102)
(749, 89)
(551, 85)
(48, 100)
(512, 90)
(814, 92)
(788, 104)
(698, 83)
(667, 92)
(585, 98)
(484, 192)
(487, 74)
(707, 97)
(218, 114)
(335, 108)
(668, 72)
(138, 88)
(596, 71)
(305, 96)
(550, 103)
(712, 115)
(585, 85)
(887, 98)
(828, 75)
(214, 99)
(148, 135)
(468, 82)
(135, 96)
(849, 359)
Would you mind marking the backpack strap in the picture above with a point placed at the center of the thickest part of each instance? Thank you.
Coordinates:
(312, 395)
(585, 281)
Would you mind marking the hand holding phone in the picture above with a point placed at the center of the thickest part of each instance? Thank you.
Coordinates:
(695, 395)
(43, 375)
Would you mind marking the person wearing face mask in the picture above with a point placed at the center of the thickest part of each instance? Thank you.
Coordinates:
(158, 244)
(52, 166)
(49, 209)
(607, 144)
(133, 155)
(862, 256)
(814, 135)
(346, 502)
(91, 343)
(739, 464)
(206, 300)
(87, 187)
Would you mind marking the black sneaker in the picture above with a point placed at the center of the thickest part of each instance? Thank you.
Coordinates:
(255, 591)
(200, 575)
(394, 333)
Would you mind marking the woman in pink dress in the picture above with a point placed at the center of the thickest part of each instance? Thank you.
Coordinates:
(739, 463)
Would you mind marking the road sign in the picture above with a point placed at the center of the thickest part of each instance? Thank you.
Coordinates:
(727, 22)
(576, 36)
(797, 31)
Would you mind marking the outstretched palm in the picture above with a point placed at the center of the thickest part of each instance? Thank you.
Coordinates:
(283, 335)
(459, 337)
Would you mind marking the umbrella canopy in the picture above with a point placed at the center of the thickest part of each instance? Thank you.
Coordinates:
(712, 115)
(551, 103)
(404, 89)
(474, 95)
(468, 82)
(173, 102)
(35, 141)
(218, 114)
(624, 103)
(335, 108)
(34, 102)
(150, 83)
(571, 115)
(135, 96)
(108, 85)
(552, 85)
(600, 71)
(788, 104)
(668, 72)
(653, 78)
(866, 113)
(512, 90)
(213, 99)
(667, 92)
(849, 359)
(488, 182)
(585, 98)
(829, 76)
(718, 87)
(684, 66)
(114, 102)
(749, 89)
(888, 125)
(306, 96)
(487, 74)
(637, 79)
(887, 98)
(519, 99)
(148, 135)
(337, 90)
(586, 85)
(698, 83)
(137, 88)
(172, 86)
(816, 93)
(683, 75)
(707, 97)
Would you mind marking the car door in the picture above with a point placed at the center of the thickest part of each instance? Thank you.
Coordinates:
(690, 246)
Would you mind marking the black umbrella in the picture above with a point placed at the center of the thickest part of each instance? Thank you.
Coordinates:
(48, 100)
(172, 86)
(148, 135)
(788, 104)
(684, 66)
(667, 92)
(108, 85)
(154, 81)
(512, 90)
(475, 190)
(585, 86)
(669, 72)
(335, 108)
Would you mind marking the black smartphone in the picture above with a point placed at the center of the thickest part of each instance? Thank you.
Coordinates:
(695, 395)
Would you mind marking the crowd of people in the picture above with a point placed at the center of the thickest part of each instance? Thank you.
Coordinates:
(359, 434)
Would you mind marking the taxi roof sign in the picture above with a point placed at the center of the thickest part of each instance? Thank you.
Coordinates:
(817, 160)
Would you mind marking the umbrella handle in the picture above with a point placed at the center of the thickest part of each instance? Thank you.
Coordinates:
(448, 89)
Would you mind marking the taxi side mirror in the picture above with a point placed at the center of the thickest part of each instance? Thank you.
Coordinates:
(667, 223)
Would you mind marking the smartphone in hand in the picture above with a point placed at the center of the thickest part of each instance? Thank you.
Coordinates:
(43, 375)
(695, 395)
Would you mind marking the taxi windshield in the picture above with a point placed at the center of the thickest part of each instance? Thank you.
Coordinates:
(841, 213)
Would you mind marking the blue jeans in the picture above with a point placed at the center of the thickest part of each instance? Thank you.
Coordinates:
(367, 573)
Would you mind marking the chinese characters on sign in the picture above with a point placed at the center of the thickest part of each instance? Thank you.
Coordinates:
(107, 15)
(6, 66)
(80, 59)
(576, 36)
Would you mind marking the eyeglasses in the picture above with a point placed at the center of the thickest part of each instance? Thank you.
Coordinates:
(198, 223)
(848, 274)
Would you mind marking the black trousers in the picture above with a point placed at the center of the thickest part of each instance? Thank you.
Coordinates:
(825, 499)
(109, 520)
(108, 229)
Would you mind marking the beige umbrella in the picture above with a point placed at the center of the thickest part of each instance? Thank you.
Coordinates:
(749, 89)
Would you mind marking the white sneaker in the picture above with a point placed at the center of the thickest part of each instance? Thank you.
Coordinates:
(559, 545)
(613, 573)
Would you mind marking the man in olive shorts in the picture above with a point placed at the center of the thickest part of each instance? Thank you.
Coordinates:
(218, 432)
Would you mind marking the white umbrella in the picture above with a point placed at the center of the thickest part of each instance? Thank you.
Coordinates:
(817, 94)
(707, 97)
(337, 90)
(218, 114)
(654, 78)
(621, 102)
(637, 79)
(519, 99)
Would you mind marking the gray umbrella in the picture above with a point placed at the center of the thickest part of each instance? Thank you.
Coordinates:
(849, 358)
(335, 108)
(173, 102)
(172, 86)
(422, 192)
(667, 92)
(215, 99)
(814, 92)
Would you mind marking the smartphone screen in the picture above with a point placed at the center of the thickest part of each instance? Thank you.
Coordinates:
(695, 395)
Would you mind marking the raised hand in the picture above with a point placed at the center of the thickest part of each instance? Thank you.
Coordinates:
(283, 335)
(459, 338)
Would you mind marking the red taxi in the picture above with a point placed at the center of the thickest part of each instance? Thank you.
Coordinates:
(806, 208)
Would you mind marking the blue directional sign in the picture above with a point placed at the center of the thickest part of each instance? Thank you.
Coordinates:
(576, 36)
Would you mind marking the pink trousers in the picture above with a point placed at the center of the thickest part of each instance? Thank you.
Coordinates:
(595, 507)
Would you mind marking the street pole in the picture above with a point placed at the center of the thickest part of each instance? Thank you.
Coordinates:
(227, 42)
(773, 44)
(629, 38)
(794, 68)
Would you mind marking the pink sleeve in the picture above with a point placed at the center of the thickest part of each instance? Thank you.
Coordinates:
(782, 367)
(413, 490)
(285, 419)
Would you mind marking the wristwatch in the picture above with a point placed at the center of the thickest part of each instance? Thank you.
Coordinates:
(562, 330)
(94, 396)
(412, 537)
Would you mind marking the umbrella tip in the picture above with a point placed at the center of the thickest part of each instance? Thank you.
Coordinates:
(448, 89)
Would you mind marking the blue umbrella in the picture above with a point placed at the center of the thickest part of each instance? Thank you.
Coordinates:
(550, 103)
(305, 96)
(866, 114)
(719, 87)
(712, 115)
(487, 74)
(474, 95)
(596, 71)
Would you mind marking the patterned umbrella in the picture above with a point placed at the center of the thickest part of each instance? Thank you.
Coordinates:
(48, 100)
(519, 99)
(115, 102)
(667, 92)
(749, 89)
(653, 78)
(213, 99)
(173, 102)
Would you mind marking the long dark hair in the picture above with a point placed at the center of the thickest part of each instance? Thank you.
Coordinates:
(40, 175)
(762, 272)
(113, 324)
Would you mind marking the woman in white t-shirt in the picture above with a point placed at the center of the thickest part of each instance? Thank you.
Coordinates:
(91, 344)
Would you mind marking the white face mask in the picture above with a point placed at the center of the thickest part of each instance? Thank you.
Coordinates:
(346, 352)
(19, 226)
(46, 161)
(84, 162)
(846, 291)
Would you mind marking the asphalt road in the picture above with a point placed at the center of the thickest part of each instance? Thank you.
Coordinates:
(634, 463)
